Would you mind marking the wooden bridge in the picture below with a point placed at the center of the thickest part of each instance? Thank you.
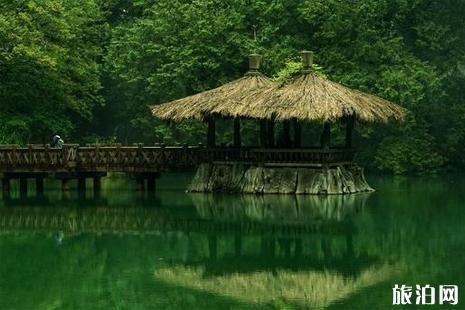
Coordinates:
(144, 162)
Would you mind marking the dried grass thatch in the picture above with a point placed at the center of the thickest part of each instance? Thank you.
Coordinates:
(305, 97)
(225, 100)
(309, 97)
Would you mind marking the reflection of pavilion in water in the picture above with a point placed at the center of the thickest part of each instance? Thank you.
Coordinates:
(225, 234)
(298, 232)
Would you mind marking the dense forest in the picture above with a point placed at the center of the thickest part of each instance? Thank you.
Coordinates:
(89, 69)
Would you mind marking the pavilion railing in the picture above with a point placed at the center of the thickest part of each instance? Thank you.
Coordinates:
(277, 155)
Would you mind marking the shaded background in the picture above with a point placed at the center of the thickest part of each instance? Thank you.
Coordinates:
(88, 70)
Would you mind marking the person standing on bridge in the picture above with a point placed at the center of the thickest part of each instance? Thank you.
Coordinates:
(57, 142)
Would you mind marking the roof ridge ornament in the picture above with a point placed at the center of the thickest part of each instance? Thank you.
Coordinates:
(307, 61)
(254, 64)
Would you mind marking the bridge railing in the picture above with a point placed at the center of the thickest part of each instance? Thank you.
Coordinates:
(33, 156)
(73, 156)
(154, 158)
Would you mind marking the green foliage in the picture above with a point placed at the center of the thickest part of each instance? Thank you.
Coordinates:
(49, 71)
(91, 69)
(292, 68)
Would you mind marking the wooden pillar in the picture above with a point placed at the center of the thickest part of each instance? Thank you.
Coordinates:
(270, 132)
(39, 185)
(211, 132)
(151, 183)
(23, 187)
(140, 184)
(286, 134)
(326, 135)
(6, 187)
(81, 184)
(81, 187)
(64, 185)
(237, 132)
(297, 133)
(97, 186)
(350, 123)
(263, 134)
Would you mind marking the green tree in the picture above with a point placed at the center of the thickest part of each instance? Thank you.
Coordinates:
(49, 67)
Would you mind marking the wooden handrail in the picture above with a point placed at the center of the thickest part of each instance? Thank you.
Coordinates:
(153, 158)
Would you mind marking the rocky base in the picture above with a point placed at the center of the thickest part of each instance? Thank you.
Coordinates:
(238, 178)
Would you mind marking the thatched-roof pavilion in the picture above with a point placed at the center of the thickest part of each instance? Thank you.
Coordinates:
(281, 166)
(224, 101)
(305, 97)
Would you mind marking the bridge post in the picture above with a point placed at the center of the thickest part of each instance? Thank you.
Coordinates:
(6, 187)
(23, 187)
(140, 184)
(97, 186)
(150, 186)
(64, 185)
(39, 186)
(81, 186)
(151, 183)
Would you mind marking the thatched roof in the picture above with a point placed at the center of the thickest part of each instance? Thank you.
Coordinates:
(310, 97)
(224, 100)
(305, 97)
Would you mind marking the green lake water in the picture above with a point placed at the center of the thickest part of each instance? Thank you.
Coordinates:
(194, 251)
